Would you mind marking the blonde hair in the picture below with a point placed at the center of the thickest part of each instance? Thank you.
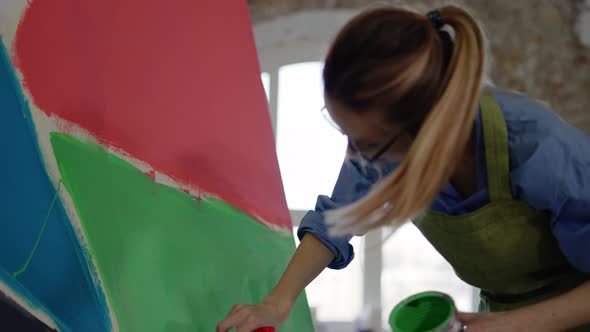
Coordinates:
(444, 116)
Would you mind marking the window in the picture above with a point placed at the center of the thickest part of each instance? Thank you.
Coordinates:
(309, 150)
(265, 77)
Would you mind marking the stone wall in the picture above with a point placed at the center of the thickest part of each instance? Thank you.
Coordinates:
(539, 47)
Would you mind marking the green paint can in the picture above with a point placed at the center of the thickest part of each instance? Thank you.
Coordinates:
(427, 311)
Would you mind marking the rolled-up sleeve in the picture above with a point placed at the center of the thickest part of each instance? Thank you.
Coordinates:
(350, 186)
(313, 223)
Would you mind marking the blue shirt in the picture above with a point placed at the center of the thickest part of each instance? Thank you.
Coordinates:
(549, 169)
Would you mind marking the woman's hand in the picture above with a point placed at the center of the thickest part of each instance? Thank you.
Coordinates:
(561, 313)
(310, 258)
(247, 317)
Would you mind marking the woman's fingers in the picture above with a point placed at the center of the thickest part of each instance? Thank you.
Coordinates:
(236, 316)
(251, 323)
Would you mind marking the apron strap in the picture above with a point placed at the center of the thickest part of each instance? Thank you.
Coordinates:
(496, 149)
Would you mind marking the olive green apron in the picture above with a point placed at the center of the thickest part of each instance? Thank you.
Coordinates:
(505, 248)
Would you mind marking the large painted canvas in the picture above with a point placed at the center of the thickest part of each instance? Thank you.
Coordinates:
(141, 190)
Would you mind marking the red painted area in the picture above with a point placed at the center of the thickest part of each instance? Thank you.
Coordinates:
(174, 83)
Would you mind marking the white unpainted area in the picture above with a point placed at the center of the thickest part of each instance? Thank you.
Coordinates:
(10, 13)
(583, 24)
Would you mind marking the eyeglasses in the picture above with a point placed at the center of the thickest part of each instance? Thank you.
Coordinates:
(354, 147)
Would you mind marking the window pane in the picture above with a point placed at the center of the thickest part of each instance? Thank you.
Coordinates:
(309, 150)
(412, 265)
(265, 77)
(336, 295)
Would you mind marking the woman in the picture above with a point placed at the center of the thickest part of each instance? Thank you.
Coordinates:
(496, 182)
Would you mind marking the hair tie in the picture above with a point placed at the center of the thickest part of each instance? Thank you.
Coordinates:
(436, 19)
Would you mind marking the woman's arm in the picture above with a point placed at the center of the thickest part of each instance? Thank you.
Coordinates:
(310, 258)
(560, 313)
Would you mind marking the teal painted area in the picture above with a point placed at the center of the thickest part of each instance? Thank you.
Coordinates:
(169, 262)
(11, 87)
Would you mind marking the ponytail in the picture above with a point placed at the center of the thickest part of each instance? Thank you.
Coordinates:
(440, 142)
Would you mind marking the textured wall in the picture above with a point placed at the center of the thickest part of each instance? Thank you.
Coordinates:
(540, 47)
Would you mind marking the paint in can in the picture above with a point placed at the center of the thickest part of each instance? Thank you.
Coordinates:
(427, 311)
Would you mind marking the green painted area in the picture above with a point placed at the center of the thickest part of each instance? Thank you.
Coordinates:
(169, 262)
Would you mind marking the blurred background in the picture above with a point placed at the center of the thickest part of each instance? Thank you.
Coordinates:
(538, 47)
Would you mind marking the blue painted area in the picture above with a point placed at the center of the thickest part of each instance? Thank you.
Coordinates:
(9, 282)
(58, 275)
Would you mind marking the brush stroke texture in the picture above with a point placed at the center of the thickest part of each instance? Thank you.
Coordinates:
(169, 262)
(174, 83)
